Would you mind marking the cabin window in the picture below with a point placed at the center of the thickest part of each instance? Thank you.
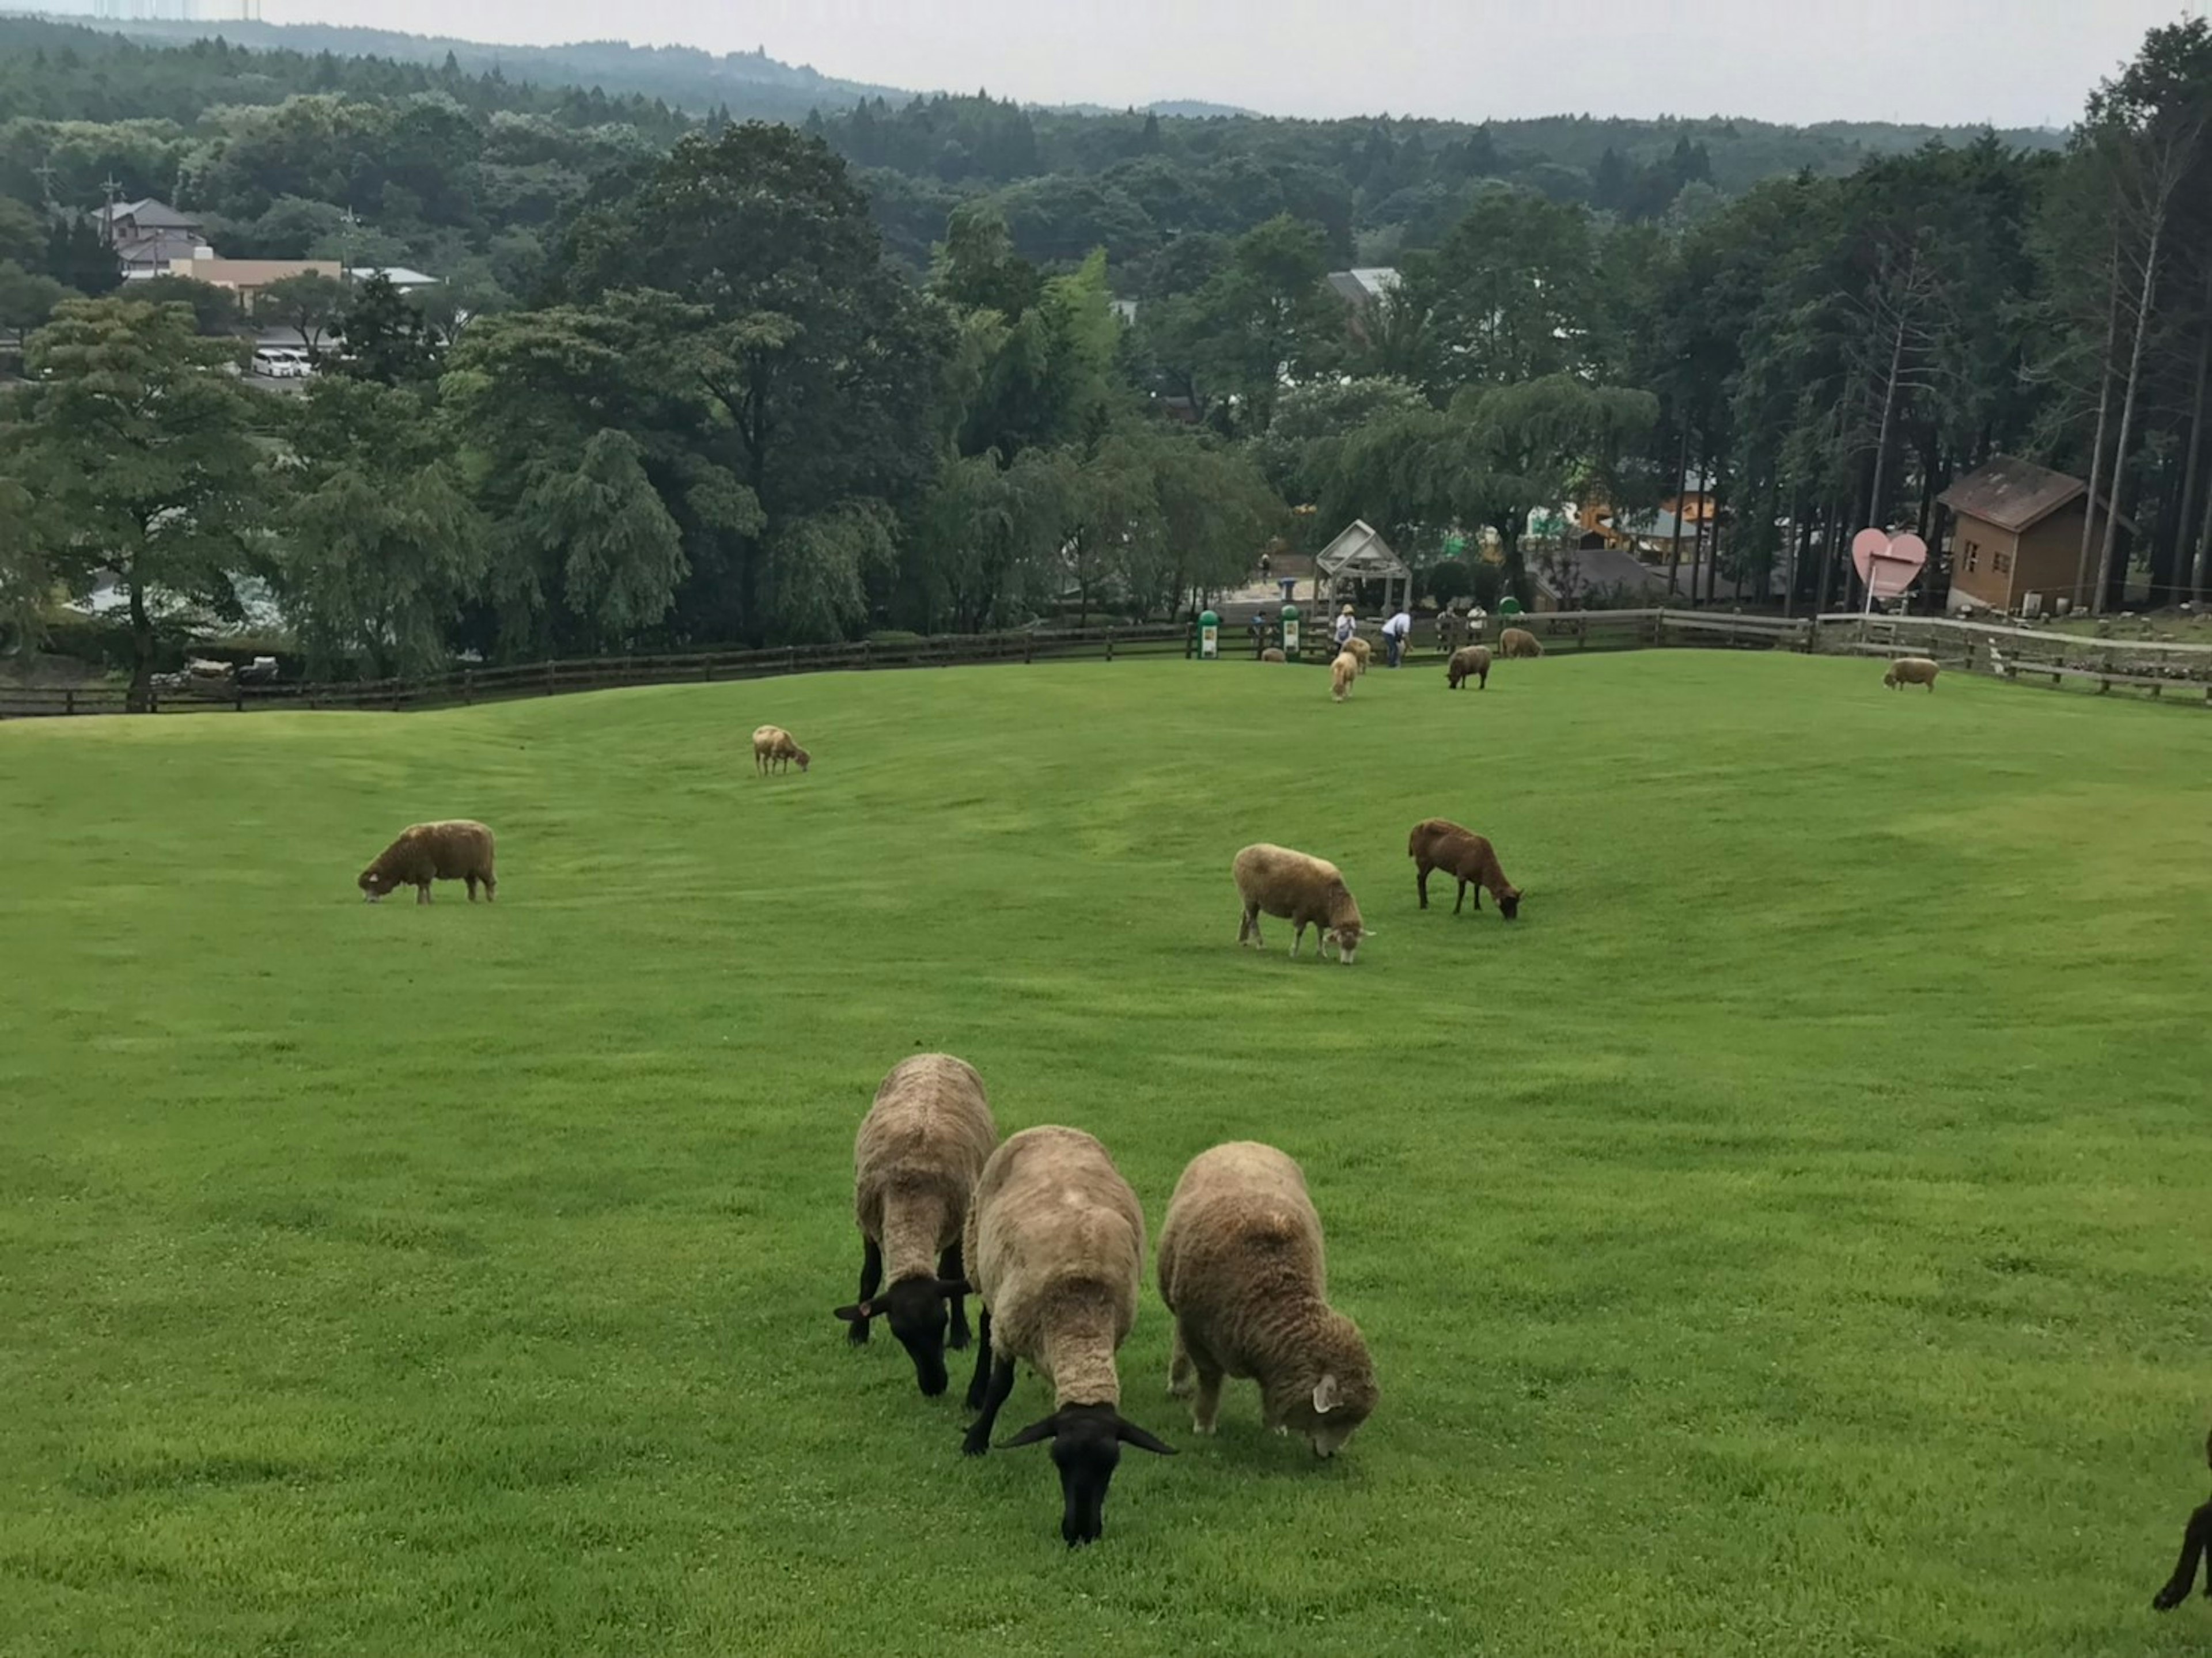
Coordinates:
(2001, 562)
(1973, 556)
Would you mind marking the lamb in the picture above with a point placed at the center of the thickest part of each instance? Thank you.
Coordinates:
(1240, 1268)
(1519, 642)
(2196, 1539)
(915, 1162)
(1272, 653)
(1912, 670)
(1362, 649)
(1469, 662)
(1341, 673)
(772, 744)
(1465, 856)
(1055, 1244)
(458, 850)
(1303, 890)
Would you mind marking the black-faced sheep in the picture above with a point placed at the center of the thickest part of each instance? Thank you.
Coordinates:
(1055, 1247)
(773, 746)
(1305, 890)
(1341, 673)
(1468, 662)
(1468, 858)
(1912, 670)
(2196, 1541)
(915, 1162)
(1242, 1268)
(1516, 642)
(457, 850)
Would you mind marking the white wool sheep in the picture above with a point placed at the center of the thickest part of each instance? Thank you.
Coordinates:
(1241, 1266)
(1341, 673)
(773, 746)
(1519, 642)
(915, 1162)
(1362, 648)
(1305, 890)
(1055, 1248)
(1912, 670)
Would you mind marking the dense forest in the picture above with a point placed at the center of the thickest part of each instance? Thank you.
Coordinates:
(952, 363)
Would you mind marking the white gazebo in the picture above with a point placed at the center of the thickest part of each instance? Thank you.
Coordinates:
(1361, 554)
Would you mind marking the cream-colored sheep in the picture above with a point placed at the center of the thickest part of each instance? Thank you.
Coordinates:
(1361, 648)
(1272, 653)
(458, 849)
(1055, 1248)
(915, 1162)
(1912, 670)
(1341, 673)
(1305, 890)
(1468, 662)
(773, 746)
(1519, 642)
(1242, 1269)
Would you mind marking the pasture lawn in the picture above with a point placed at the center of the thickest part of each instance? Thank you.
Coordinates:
(1788, 1237)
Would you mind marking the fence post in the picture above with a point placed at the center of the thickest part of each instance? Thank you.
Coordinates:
(1110, 644)
(1028, 643)
(867, 654)
(791, 658)
(549, 675)
(69, 701)
(468, 688)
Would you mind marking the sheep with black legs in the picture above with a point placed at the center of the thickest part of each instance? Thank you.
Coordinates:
(1437, 843)
(1055, 1248)
(915, 1162)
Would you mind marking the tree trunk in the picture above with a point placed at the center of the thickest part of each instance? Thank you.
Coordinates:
(1875, 518)
(1681, 488)
(2187, 576)
(140, 698)
(2128, 417)
(2081, 596)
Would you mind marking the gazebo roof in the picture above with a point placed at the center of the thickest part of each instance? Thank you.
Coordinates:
(1360, 551)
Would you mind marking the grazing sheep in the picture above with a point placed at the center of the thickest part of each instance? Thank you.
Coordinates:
(1303, 890)
(1363, 649)
(1055, 1246)
(456, 850)
(1912, 670)
(1470, 662)
(1465, 856)
(773, 746)
(915, 1162)
(1519, 642)
(1240, 1268)
(1272, 653)
(1341, 673)
(2195, 1541)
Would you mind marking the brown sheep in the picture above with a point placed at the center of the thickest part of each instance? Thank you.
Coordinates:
(1240, 1268)
(1519, 642)
(457, 850)
(1303, 890)
(1912, 670)
(1272, 654)
(1341, 673)
(1469, 662)
(773, 744)
(1466, 857)
(915, 1162)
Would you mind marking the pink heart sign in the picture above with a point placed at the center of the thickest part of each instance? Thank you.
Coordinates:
(1888, 567)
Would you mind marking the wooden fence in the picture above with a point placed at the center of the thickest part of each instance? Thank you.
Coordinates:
(2015, 652)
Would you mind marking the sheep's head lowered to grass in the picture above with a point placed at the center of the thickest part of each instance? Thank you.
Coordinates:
(376, 885)
(1086, 1448)
(917, 1311)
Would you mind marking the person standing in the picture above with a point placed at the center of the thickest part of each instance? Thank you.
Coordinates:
(1347, 625)
(1258, 632)
(1395, 632)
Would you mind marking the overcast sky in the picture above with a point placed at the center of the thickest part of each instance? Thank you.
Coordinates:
(2011, 63)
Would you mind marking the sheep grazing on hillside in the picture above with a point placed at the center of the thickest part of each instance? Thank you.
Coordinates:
(1465, 856)
(1055, 1247)
(1912, 670)
(1361, 648)
(1303, 890)
(1469, 662)
(1519, 642)
(2195, 1541)
(1240, 1268)
(915, 1162)
(773, 746)
(1341, 673)
(1272, 653)
(456, 850)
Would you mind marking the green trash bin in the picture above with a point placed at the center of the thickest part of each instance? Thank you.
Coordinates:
(1209, 636)
(1291, 632)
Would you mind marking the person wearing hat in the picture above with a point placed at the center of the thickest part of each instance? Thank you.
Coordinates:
(1258, 632)
(1345, 627)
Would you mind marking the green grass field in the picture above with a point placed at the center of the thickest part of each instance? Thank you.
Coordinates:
(1789, 1238)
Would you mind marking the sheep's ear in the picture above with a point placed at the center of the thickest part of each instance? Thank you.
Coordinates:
(1130, 1434)
(858, 1311)
(1327, 1395)
(1036, 1432)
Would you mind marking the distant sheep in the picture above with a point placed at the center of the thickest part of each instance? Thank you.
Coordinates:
(915, 1162)
(457, 850)
(1519, 642)
(1240, 1267)
(1055, 1244)
(1912, 670)
(1303, 890)
(1272, 654)
(1341, 673)
(1465, 856)
(1362, 649)
(1470, 662)
(773, 746)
